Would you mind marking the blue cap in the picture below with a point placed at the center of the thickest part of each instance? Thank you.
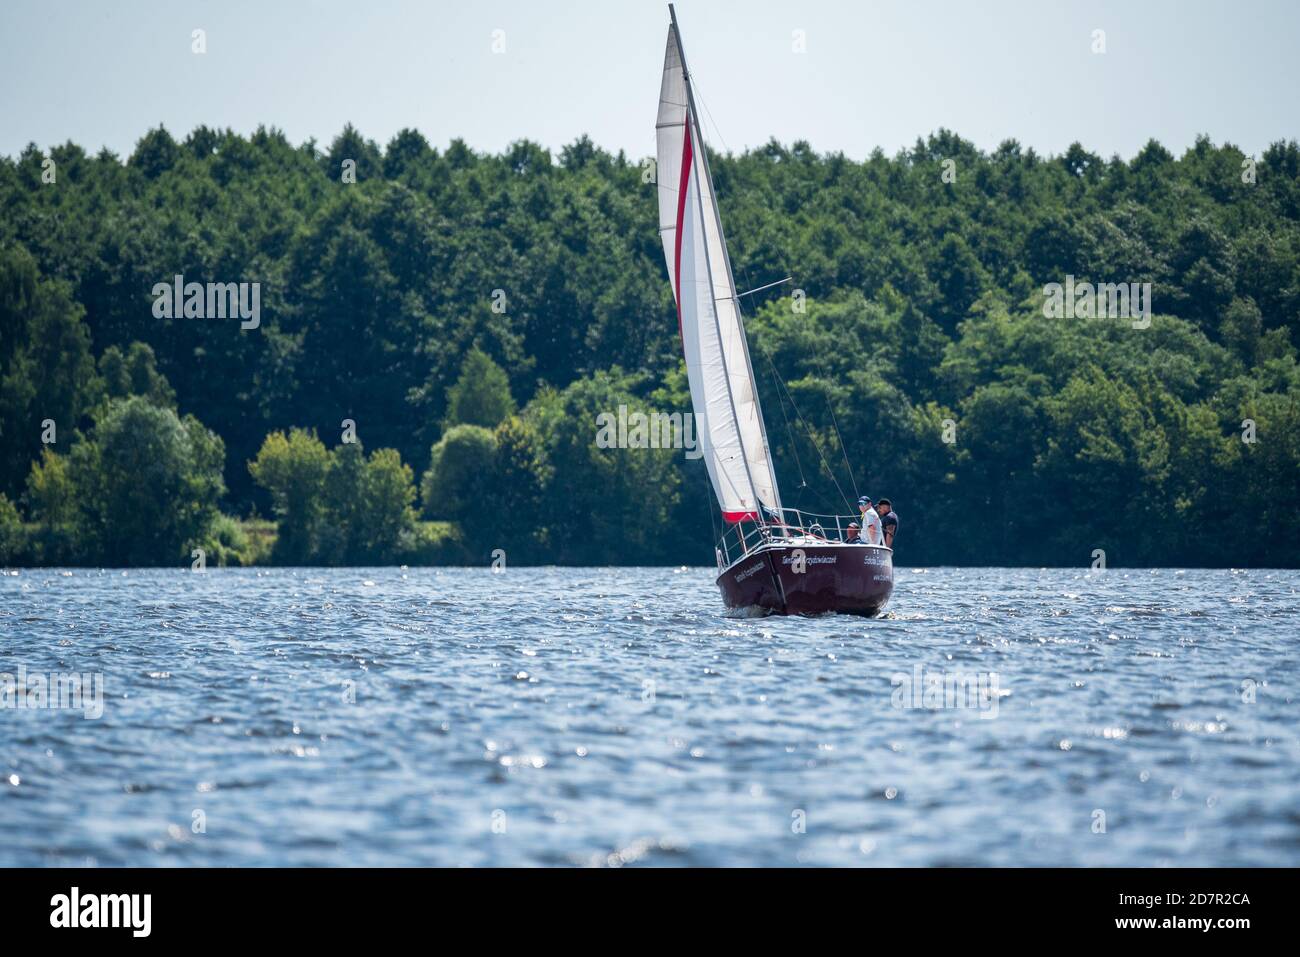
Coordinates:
(864, 500)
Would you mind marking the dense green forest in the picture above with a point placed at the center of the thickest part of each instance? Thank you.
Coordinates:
(439, 330)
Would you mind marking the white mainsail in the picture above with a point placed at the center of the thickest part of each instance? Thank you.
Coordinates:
(729, 421)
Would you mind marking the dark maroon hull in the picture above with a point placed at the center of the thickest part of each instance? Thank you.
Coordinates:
(850, 579)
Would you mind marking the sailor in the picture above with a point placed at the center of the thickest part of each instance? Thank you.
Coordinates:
(888, 521)
(853, 537)
(870, 521)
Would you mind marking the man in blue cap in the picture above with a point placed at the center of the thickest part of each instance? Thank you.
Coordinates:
(870, 521)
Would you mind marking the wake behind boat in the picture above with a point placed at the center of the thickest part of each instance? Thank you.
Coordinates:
(771, 559)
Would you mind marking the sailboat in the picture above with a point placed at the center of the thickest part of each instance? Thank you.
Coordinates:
(771, 560)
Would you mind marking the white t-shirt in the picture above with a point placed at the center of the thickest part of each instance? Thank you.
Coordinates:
(870, 520)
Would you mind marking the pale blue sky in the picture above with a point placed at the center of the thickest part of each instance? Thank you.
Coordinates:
(876, 73)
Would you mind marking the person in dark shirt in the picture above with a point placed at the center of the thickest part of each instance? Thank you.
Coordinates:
(888, 520)
(854, 537)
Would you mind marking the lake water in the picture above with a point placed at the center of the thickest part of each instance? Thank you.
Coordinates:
(617, 716)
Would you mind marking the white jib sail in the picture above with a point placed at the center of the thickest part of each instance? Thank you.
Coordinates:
(729, 422)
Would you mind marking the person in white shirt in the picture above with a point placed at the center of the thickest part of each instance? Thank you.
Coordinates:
(870, 521)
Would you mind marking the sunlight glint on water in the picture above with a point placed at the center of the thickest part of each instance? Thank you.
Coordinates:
(616, 716)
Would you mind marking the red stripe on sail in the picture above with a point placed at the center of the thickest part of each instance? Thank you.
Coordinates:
(734, 517)
(687, 156)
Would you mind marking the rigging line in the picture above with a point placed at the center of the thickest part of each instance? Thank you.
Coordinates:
(736, 298)
(811, 437)
(700, 99)
(708, 503)
(839, 438)
(721, 139)
(716, 128)
(803, 482)
(834, 422)
(744, 268)
(739, 309)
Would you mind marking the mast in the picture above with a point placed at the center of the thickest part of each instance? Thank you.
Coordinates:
(694, 119)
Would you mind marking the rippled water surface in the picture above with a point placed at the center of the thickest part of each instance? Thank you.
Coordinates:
(616, 716)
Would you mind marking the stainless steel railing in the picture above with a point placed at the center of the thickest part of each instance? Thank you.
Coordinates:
(787, 526)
